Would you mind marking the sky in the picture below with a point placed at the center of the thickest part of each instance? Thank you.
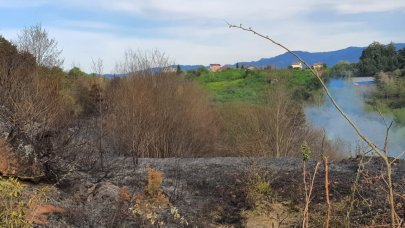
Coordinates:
(193, 32)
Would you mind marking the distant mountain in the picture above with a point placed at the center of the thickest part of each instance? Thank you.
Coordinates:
(190, 67)
(114, 75)
(350, 54)
(330, 58)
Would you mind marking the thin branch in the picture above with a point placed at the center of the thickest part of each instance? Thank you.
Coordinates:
(387, 127)
(398, 157)
(327, 191)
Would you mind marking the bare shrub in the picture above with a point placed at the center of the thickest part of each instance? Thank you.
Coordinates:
(32, 95)
(143, 63)
(88, 92)
(276, 128)
(154, 113)
(37, 105)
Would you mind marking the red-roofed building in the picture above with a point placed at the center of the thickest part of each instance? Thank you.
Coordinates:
(215, 67)
(318, 66)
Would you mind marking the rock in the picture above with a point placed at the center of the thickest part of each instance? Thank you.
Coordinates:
(20, 162)
(18, 156)
(107, 193)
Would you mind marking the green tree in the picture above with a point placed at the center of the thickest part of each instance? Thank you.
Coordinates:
(76, 72)
(390, 58)
(178, 69)
(378, 57)
(401, 58)
(343, 69)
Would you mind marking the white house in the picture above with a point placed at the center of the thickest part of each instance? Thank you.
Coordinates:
(296, 65)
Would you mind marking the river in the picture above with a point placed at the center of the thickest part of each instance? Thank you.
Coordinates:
(349, 94)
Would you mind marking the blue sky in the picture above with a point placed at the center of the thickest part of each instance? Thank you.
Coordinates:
(194, 32)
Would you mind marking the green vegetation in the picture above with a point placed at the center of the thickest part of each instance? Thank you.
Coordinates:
(390, 95)
(235, 84)
(343, 69)
(378, 57)
(388, 66)
(22, 207)
(251, 85)
(374, 59)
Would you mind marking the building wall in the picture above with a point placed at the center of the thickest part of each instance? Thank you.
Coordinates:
(215, 68)
(296, 66)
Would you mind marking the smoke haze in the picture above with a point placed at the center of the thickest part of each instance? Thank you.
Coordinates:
(351, 99)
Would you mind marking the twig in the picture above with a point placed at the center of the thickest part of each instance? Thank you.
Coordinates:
(327, 191)
(398, 157)
(308, 193)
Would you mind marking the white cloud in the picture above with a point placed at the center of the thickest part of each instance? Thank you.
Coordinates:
(186, 9)
(194, 32)
(368, 6)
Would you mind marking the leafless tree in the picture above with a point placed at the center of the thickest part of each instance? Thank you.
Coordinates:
(35, 40)
(143, 63)
(97, 66)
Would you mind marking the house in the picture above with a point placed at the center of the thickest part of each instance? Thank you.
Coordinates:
(251, 68)
(318, 66)
(296, 65)
(215, 67)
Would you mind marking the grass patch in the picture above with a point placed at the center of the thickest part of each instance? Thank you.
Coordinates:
(250, 86)
(235, 85)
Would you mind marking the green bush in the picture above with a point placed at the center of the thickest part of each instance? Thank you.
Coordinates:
(399, 115)
(12, 207)
(259, 194)
(23, 207)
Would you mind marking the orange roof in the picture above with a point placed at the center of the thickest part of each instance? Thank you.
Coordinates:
(296, 63)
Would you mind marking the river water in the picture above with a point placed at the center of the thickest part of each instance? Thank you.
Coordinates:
(350, 95)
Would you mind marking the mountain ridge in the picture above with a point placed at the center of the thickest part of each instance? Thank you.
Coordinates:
(330, 58)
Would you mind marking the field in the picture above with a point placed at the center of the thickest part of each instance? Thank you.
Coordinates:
(251, 85)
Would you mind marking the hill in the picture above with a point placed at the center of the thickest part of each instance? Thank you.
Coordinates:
(330, 58)
(190, 67)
